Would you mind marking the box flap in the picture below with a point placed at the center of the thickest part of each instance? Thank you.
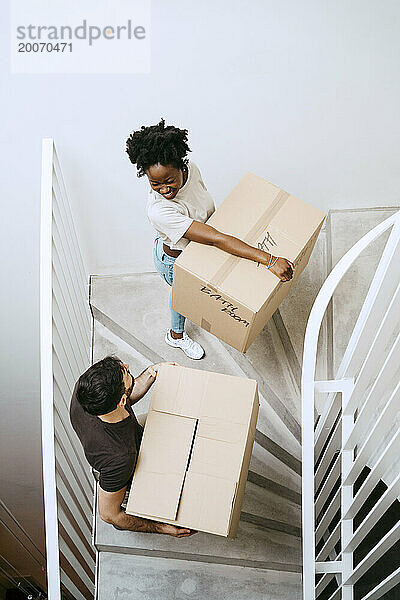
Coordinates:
(179, 390)
(227, 398)
(161, 465)
(206, 503)
(218, 458)
(221, 429)
(202, 394)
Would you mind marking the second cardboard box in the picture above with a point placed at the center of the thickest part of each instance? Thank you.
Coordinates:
(195, 452)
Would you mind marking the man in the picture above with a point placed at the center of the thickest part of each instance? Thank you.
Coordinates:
(102, 416)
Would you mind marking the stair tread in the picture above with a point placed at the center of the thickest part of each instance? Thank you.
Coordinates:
(139, 304)
(296, 307)
(266, 465)
(260, 543)
(266, 350)
(124, 576)
(263, 502)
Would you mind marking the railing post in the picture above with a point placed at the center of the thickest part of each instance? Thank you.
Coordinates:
(346, 497)
(308, 487)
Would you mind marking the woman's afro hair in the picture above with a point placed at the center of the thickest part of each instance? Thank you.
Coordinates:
(157, 144)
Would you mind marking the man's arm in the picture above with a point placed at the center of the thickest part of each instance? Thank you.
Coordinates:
(144, 381)
(111, 512)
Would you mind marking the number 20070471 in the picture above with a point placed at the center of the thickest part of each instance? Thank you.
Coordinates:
(44, 47)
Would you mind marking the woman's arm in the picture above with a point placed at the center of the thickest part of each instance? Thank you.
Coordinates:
(205, 234)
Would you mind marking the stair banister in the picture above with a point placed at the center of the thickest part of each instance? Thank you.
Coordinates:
(343, 384)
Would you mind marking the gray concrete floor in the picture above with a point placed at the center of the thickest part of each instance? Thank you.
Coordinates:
(264, 561)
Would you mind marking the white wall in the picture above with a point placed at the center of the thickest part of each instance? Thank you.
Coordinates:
(303, 92)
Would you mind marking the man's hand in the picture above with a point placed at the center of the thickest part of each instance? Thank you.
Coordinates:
(145, 380)
(175, 531)
(152, 370)
(111, 512)
(283, 268)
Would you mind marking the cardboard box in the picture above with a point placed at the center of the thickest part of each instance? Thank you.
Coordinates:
(195, 452)
(232, 297)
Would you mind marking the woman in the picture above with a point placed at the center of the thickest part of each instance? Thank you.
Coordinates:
(178, 206)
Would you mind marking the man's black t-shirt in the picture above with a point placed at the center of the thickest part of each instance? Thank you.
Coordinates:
(110, 448)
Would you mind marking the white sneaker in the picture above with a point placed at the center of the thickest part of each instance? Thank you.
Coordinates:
(191, 348)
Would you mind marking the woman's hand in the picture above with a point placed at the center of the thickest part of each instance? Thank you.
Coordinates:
(282, 268)
(205, 234)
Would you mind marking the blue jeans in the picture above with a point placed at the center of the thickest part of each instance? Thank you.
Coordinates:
(165, 267)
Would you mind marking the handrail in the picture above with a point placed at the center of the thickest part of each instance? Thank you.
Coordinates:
(308, 393)
(65, 345)
(46, 373)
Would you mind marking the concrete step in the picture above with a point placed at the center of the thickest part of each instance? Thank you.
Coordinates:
(125, 577)
(291, 319)
(261, 542)
(268, 365)
(271, 468)
(106, 343)
(265, 502)
(345, 228)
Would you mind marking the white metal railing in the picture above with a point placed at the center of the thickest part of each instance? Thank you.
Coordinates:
(357, 438)
(65, 346)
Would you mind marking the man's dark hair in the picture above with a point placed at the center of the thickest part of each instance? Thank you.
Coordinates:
(157, 144)
(101, 387)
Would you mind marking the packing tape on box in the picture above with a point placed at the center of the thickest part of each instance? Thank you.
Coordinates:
(250, 238)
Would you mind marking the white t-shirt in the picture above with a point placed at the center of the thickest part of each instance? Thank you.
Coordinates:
(172, 218)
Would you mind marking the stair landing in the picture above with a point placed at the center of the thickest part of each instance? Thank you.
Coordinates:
(264, 562)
